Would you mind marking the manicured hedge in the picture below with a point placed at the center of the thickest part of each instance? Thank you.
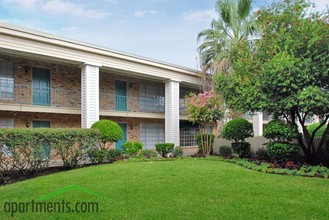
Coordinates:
(29, 149)
(164, 148)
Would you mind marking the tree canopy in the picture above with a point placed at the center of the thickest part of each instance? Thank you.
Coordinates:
(286, 71)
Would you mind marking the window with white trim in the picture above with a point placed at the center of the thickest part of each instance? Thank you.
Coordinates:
(151, 134)
(6, 80)
(6, 123)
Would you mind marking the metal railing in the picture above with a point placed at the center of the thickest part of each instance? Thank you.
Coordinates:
(66, 98)
(28, 95)
(154, 104)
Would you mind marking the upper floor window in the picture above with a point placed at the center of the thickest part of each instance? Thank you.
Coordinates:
(6, 80)
(152, 97)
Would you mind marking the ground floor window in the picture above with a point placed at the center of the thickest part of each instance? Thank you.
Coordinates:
(187, 136)
(187, 133)
(6, 123)
(151, 134)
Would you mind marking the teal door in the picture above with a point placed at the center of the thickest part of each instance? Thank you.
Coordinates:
(120, 95)
(41, 86)
(45, 152)
(118, 144)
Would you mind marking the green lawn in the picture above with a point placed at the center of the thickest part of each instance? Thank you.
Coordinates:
(181, 189)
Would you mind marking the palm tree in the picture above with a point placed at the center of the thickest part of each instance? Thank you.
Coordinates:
(234, 24)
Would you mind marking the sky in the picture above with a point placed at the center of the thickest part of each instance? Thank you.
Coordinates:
(163, 30)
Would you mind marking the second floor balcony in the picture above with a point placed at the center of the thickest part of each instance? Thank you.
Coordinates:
(18, 96)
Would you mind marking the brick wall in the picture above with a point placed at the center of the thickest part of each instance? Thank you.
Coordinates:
(56, 120)
(65, 79)
(74, 121)
(107, 90)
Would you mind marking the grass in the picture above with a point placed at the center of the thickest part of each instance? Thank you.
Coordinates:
(180, 189)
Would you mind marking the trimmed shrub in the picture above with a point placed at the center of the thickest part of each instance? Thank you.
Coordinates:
(242, 149)
(24, 149)
(72, 145)
(113, 155)
(280, 131)
(281, 151)
(178, 152)
(110, 131)
(225, 151)
(29, 149)
(97, 155)
(237, 129)
(104, 155)
(164, 148)
(209, 137)
(132, 148)
(262, 154)
(281, 135)
(148, 153)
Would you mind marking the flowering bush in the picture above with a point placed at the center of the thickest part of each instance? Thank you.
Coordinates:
(205, 107)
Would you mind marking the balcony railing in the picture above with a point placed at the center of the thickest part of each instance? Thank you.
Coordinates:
(29, 95)
(66, 98)
(154, 104)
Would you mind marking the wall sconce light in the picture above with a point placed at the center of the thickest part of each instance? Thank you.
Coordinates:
(131, 126)
(27, 124)
(131, 85)
(27, 69)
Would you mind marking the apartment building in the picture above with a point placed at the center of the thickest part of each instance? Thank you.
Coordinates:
(49, 81)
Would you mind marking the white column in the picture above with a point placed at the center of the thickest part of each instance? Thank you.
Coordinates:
(172, 112)
(89, 94)
(257, 120)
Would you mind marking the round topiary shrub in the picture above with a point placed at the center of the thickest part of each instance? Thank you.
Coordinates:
(237, 129)
(280, 131)
(281, 135)
(110, 131)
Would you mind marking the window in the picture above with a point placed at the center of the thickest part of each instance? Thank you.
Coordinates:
(6, 80)
(151, 134)
(187, 136)
(6, 123)
(152, 97)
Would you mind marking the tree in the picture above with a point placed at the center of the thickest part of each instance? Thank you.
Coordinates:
(286, 71)
(110, 131)
(238, 130)
(204, 109)
(235, 23)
